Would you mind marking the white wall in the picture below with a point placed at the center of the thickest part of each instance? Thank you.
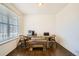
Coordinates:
(67, 28)
(40, 23)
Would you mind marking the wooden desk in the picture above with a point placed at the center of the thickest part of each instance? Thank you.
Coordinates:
(40, 41)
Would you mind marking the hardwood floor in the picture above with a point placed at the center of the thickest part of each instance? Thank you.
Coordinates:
(59, 51)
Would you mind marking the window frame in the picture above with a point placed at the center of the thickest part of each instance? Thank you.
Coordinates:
(8, 25)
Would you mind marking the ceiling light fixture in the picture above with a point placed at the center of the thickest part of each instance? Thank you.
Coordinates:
(40, 4)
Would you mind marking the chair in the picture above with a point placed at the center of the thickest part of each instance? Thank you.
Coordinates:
(22, 41)
(46, 34)
(53, 41)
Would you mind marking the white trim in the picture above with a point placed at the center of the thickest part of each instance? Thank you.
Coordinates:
(6, 41)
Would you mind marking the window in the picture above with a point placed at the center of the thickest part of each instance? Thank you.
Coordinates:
(8, 24)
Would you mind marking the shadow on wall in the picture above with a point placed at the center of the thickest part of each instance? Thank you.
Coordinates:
(60, 40)
(63, 42)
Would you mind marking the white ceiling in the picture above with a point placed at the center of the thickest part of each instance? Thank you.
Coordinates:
(47, 8)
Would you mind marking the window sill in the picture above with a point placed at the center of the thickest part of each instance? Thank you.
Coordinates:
(11, 39)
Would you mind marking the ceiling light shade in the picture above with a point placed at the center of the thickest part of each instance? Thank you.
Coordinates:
(40, 4)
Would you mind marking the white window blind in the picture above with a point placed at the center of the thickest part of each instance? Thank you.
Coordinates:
(8, 24)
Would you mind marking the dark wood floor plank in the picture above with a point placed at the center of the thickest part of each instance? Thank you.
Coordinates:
(59, 51)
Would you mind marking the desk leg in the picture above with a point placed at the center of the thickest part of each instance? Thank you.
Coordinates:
(44, 49)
